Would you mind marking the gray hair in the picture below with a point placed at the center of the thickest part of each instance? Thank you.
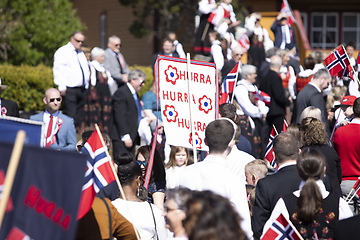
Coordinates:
(247, 69)
(180, 195)
(112, 38)
(272, 52)
(276, 61)
(96, 51)
(322, 73)
(136, 74)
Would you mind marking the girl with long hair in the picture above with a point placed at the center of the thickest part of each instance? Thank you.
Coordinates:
(178, 159)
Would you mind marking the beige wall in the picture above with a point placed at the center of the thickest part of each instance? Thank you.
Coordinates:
(119, 18)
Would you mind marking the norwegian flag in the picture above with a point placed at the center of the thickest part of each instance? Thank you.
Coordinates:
(98, 172)
(280, 229)
(243, 40)
(228, 85)
(17, 234)
(212, 17)
(262, 96)
(337, 62)
(357, 184)
(285, 7)
(269, 148)
(358, 59)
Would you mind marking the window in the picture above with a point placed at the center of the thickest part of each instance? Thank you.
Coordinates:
(324, 30)
(103, 30)
(351, 31)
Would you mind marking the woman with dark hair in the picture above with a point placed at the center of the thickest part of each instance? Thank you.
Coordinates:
(211, 216)
(313, 134)
(314, 211)
(146, 217)
(157, 183)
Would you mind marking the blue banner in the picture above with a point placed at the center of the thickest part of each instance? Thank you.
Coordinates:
(46, 193)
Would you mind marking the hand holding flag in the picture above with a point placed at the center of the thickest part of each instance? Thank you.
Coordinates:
(228, 85)
(285, 7)
(337, 62)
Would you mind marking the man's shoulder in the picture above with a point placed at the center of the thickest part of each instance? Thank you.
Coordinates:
(65, 117)
(63, 48)
(279, 176)
(37, 117)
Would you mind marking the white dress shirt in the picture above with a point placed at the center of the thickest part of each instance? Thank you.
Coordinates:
(205, 7)
(217, 54)
(46, 120)
(172, 175)
(212, 174)
(237, 160)
(242, 90)
(280, 207)
(67, 71)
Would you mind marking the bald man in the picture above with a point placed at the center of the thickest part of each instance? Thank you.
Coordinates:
(59, 130)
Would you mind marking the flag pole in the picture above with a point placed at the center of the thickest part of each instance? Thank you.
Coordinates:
(11, 172)
(237, 74)
(190, 108)
(353, 194)
(357, 79)
(349, 195)
(116, 176)
(275, 129)
(333, 131)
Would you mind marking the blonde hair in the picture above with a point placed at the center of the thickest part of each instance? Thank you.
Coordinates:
(311, 111)
(257, 167)
(174, 151)
(336, 94)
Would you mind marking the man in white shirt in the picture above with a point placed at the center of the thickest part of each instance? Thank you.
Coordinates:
(71, 75)
(212, 173)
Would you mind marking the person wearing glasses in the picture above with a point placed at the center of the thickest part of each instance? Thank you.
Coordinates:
(71, 75)
(115, 63)
(236, 53)
(126, 114)
(59, 129)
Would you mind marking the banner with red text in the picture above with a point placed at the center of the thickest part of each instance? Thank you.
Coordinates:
(171, 76)
(45, 196)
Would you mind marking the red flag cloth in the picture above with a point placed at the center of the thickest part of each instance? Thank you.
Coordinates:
(358, 58)
(269, 148)
(337, 62)
(285, 7)
(211, 18)
(244, 41)
(228, 85)
(98, 172)
(357, 184)
(285, 125)
(280, 229)
(262, 96)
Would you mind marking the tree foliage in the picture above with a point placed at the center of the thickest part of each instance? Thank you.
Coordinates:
(32, 30)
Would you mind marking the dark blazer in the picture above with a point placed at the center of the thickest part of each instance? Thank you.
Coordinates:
(228, 66)
(124, 115)
(66, 137)
(262, 72)
(174, 54)
(12, 108)
(310, 96)
(276, 28)
(272, 85)
(295, 64)
(268, 192)
(348, 228)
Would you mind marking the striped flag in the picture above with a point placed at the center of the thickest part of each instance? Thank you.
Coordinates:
(357, 184)
(285, 7)
(337, 62)
(228, 85)
(262, 96)
(280, 229)
(98, 172)
(269, 148)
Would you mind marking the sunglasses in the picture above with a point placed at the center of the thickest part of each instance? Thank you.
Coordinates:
(141, 163)
(79, 41)
(118, 45)
(53, 99)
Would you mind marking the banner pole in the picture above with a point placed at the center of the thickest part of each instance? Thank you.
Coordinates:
(115, 174)
(190, 108)
(11, 172)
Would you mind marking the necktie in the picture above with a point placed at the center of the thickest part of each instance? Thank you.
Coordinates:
(121, 61)
(138, 106)
(82, 71)
(48, 134)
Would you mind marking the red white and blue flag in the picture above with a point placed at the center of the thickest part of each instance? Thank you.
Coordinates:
(285, 7)
(337, 62)
(357, 184)
(244, 41)
(98, 172)
(279, 230)
(269, 148)
(228, 85)
(262, 96)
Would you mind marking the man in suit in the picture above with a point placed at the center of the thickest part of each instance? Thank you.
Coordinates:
(284, 181)
(8, 107)
(59, 129)
(126, 114)
(265, 65)
(284, 34)
(236, 53)
(272, 85)
(312, 95)
(115, 62)
(167, 50)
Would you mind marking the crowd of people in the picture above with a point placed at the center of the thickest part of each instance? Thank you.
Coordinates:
(233, 192)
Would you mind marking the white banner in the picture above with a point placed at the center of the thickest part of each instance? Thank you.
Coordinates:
(176, 102)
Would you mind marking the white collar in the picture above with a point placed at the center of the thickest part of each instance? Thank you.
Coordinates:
(132, 89)
(321, 186)
(99, 67)
(315, 86)
(289, 163)
(215, 159)
(356, 121)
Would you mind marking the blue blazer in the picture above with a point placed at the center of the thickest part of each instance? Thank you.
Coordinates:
(66, 137)
(276, 28)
